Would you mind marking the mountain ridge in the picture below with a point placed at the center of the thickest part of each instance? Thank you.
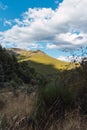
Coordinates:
(20, 51)
(39, 60)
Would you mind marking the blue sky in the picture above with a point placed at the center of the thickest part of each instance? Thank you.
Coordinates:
(50, 26)
(14, 9)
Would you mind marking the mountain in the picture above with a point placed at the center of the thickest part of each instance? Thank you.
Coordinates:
(40, 61)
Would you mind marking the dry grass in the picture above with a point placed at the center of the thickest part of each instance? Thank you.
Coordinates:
(20, 105)
(72, 121)
(23, 104)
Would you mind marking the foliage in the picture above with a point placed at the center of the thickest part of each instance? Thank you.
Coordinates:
(2, 104)
(66, 93)
(4, 122)
(12, 71)
(82, 93)
(51, 93)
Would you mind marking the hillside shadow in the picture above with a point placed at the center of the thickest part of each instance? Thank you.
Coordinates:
(47, 70)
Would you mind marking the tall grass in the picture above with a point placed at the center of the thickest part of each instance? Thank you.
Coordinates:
(67, 94)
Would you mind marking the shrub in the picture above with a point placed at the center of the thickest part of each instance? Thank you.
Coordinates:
(4, 122)
(54, 101)
(2, 104)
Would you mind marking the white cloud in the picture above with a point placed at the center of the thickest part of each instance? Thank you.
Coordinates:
(64, 27)
(2, 6)
(7, 22)
(51, 46)
(63, 58)
(70, 58)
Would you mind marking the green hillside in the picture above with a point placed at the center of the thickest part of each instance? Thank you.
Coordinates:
(40, 61)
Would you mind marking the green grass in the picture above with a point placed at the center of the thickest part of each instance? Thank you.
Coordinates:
(42, 62)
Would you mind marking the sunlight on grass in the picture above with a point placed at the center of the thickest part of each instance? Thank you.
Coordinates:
(40, 57)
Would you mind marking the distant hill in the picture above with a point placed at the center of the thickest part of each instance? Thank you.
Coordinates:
(40, 61)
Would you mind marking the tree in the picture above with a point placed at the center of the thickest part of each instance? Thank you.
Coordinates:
(1, 73)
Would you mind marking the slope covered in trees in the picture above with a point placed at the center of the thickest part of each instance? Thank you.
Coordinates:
(11, 70)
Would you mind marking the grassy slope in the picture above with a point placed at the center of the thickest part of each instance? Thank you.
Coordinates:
(42, 62)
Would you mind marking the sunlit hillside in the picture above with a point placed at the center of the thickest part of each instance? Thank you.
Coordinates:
(40, 61)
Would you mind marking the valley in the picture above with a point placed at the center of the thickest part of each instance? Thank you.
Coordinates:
(38, 92)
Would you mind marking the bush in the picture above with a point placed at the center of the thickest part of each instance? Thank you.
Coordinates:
(4, 122)
(13, 84)
(53, 100)
(82, 93)
(67, 93)
(2, 104)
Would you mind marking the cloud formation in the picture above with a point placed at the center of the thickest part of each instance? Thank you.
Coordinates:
(2, 6)
(64, 27)
(7, 22)
(70, 58)
(64, 58)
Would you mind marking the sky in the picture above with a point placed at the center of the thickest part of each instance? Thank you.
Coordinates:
(57, 27)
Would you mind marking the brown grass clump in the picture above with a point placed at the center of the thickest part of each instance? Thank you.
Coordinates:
(72, 121)
(20, 105)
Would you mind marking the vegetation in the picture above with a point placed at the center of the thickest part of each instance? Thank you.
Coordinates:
(67, 94)
(43, 64)
(13, 72)
(54, 96)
